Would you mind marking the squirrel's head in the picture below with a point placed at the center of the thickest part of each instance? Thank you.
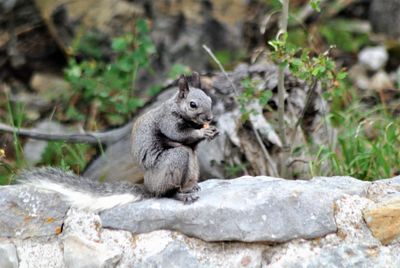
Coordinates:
(193, 103)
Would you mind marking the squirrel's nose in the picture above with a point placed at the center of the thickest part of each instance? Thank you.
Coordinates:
(206, 118)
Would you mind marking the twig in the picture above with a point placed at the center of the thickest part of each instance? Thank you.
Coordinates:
(282, 91)
(298, 160)
(107, 137)
(273, 171)
(208, 50)
(307, 104)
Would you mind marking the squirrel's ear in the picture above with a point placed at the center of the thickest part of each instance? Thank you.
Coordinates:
(196, 80)
(183, 87)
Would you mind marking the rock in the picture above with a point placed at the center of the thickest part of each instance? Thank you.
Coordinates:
(85, 242)
(26, 212)
(34, 253)
(266, 130)
(383, 15)
(358, 74)
(49, 83)
(83, 246)
(171, 249)
(346, 184)
(384, 190)
(374, 58)
(351, 246)
(383, 216)
(212, 161)
(33, 149)
(8, 255)
(124, 243)
(82, 224)
(80, 252)
(384, 221)
(381, 81)
(244, 209)
(350, 221)
(343, 255)
(395, 180)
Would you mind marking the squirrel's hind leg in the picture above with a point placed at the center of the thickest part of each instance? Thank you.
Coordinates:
(189, 188)
(189, 185)
(169, 173)
(176, 172)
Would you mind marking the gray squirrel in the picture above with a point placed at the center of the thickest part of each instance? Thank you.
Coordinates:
(164, 142)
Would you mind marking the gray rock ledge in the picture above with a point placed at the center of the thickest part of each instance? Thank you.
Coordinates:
(245, 209)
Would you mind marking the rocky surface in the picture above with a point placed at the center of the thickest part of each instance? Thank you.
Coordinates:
(323, 222)
(383, 216)
(26, 212)
(374, 58)
(8, 255)
(245, 209)
(383, 15)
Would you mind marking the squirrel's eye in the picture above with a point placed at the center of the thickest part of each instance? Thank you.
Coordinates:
(193, 105)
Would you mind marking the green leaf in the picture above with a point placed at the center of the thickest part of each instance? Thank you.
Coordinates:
(315, 4)
(119, 44)
(341, 75)
(178, 69)
(265, 96)
(135, 103)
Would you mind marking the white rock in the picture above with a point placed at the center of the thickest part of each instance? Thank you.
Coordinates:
(374, 58)
(381, 81)
(358, 75)
(82, 253)
(39, 254)
(172, 249)
(45, 82)
(8, 255)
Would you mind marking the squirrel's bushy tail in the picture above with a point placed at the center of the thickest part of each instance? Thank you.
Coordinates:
(81, 192)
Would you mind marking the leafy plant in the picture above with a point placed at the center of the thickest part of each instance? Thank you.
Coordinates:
(178, 69)
(252, 92)
(306, 65)
(339, 33)
(108, 87)
(234, 170)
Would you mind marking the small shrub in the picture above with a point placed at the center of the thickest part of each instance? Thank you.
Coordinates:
(108, 87)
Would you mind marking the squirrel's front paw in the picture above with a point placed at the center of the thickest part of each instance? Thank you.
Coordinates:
(210, 132)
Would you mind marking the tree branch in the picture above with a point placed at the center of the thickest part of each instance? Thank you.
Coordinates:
(107, 137)
(282, 91)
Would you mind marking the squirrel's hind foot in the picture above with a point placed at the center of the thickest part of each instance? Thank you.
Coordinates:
(196, 188)
(186, 198)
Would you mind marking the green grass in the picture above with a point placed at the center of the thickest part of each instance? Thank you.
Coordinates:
(366, 147)
(57, 154)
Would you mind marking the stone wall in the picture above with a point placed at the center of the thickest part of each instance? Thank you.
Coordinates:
(244, 222)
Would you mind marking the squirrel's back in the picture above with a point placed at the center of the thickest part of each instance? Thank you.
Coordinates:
(147, 141)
